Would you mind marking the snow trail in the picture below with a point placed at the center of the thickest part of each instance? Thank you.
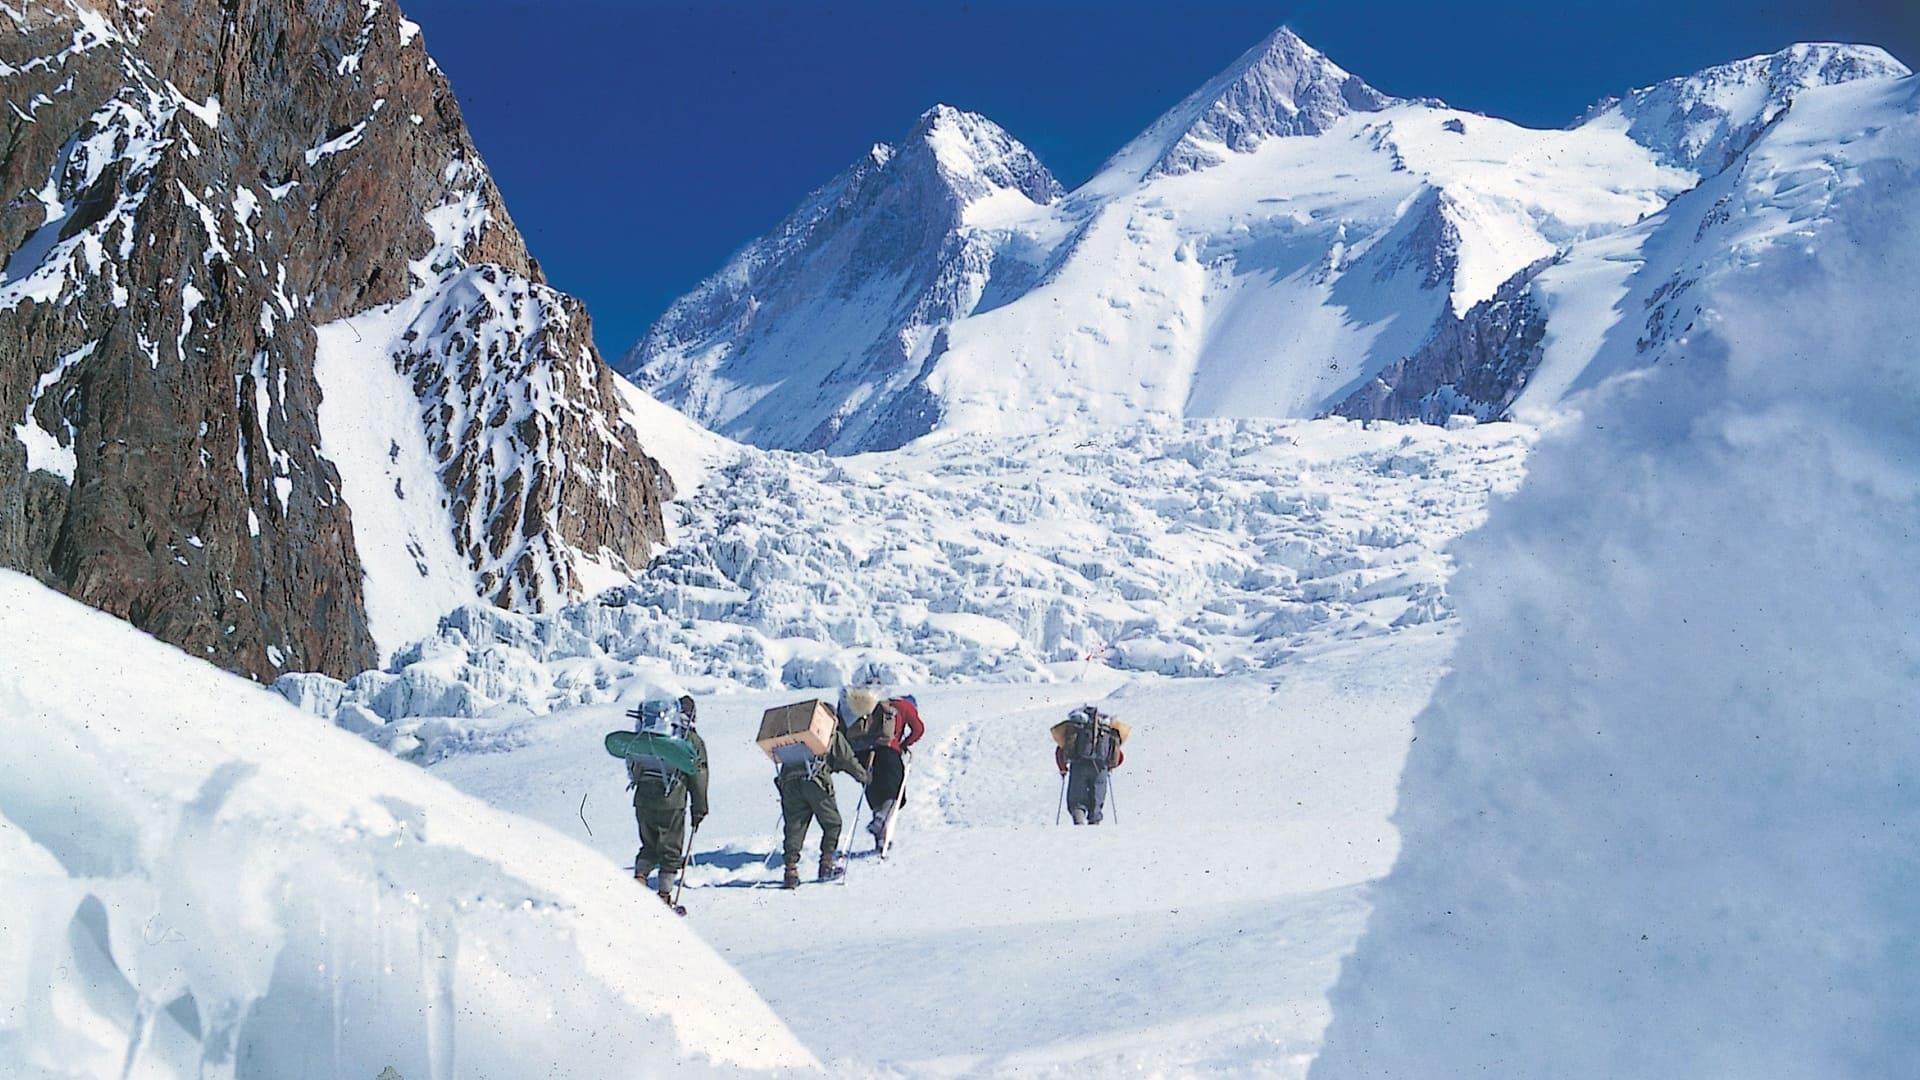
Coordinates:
(1199, 930)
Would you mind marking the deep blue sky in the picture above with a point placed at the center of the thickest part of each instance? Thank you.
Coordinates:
(640, 142)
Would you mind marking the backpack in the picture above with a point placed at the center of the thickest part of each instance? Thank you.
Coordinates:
(651, 775)
(1091, 738)
(651, 772)
(875, 727)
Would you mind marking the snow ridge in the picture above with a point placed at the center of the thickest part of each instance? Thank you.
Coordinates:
(903, 242)
(1702, 121)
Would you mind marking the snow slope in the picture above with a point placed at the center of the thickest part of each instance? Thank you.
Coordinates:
(817, 334)
(476, 400)
(1197, 931)
(1661, 820)
(1703, 121)
(1628, 300)
(1275, 282)
(1185, 549)
(195, 879)
(1267, 248)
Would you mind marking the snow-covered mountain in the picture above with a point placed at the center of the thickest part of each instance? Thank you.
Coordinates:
(1280, 87)
(819, 333)
(1660, 819)
(1630, 299)
(285, 382)
(1286, 241)
(1702, 121)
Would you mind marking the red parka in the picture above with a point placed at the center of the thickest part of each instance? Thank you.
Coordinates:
(909, 729)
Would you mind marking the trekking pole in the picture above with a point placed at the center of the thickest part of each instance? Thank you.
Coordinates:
(779, 840)
(681, 882)
(847, 858)
(1058, 810)
(899, 801)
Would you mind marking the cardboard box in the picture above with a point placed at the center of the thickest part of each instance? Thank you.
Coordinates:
(787, 729)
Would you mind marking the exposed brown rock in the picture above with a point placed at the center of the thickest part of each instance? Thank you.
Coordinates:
(194, 259)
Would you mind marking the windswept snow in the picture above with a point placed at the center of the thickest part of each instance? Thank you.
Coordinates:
(1661, 821)
(194, 879)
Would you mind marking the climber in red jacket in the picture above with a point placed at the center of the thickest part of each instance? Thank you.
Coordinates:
(889, 766)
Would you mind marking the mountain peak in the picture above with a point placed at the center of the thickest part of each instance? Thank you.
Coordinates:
(1702, 121)
(976, 157)
(945, 115)
(1280, 87)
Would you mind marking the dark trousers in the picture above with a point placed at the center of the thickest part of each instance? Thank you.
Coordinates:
(889, 769)
(663, 836)
(1086, 793)
(802, 799)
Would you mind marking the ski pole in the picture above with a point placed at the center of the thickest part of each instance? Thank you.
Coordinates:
(1113, 801)
(1058, 810)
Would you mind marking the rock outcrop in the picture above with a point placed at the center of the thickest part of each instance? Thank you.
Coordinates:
(1474, 365)
(190, 192)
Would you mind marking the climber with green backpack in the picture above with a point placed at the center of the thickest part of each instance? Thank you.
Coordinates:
(667, 773)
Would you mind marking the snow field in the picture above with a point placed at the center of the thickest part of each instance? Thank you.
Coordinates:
(1198, 929)
(196, 880)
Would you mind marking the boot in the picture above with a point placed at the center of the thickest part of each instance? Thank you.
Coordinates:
(829, 866)
(792, 878)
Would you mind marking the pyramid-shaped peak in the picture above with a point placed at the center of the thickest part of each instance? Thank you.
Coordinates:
(1284, 49)
(945, 115)
(1280, 87)
(977, 157)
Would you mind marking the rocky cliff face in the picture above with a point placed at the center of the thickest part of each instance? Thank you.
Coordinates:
(194, 196)
(1473, 365)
